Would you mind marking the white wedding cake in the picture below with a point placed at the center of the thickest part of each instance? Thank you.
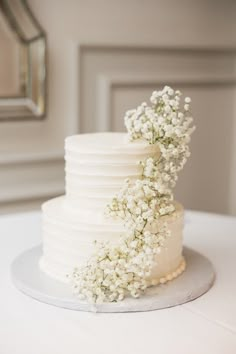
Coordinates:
(119, 196)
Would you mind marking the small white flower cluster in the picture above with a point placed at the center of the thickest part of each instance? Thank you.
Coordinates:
(117, 270)
(168, 125)
(140, 203)
(161, 122)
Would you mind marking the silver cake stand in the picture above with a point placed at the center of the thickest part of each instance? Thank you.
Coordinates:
(195, 281)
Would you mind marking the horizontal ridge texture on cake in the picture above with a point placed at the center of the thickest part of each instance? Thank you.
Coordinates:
(96, 167)
(68, 241)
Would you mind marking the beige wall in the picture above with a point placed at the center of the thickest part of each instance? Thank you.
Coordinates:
(106, 56)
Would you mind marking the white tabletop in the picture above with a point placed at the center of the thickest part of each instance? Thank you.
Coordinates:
(204, 326)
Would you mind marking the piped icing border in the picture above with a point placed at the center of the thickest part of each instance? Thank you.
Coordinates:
(171, 275)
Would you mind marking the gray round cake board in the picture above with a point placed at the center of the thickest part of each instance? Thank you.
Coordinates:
(192, 283)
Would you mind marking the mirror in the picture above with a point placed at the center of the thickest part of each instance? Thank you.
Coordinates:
(22, 63)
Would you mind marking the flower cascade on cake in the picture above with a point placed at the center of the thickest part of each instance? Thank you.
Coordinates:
(117, 270)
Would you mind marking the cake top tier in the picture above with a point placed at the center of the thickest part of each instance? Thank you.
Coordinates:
(107, 142)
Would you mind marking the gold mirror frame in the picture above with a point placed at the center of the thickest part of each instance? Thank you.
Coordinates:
(31, 101)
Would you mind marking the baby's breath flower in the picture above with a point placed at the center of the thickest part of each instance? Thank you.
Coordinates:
(116, 270)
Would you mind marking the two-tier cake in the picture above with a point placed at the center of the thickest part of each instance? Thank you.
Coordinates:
(118, 230)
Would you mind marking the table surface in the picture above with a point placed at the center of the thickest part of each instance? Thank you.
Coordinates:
(206, 325)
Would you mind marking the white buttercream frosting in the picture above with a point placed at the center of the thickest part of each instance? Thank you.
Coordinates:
(97, 164)
(68, 239)
(96, 167)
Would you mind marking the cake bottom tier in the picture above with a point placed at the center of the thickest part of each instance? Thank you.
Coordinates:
(68, 242)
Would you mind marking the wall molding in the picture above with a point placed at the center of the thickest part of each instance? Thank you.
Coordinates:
(114, 78)
(30, 176)
(107, 84)
(9, 159)
(106, 68)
